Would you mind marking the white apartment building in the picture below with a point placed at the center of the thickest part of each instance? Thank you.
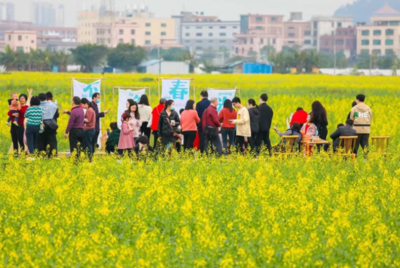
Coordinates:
(321, 26)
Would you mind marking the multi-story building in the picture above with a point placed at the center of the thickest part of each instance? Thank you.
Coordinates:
(297, 32)
(43, 14)
(7, 11)
(60, 16)
(206, 34)
(327, 26)
(112, 29)
(383, 36)
(343, 39)
(21, 40)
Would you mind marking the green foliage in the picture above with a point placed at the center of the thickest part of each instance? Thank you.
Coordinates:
(126, 57)
(89, 56)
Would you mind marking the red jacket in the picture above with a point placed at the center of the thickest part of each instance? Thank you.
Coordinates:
(156, 116)
(21, 113)
(210, 118)
(299, 117)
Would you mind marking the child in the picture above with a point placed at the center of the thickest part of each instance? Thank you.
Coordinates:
(13, 107)
(309, 130)
(126, 142)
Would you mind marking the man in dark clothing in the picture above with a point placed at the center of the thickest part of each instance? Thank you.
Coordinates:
(48, 139)
(95, 101)
(343, 131)
(210, 125)
(266, 115)
(75, 126)
(201, 106)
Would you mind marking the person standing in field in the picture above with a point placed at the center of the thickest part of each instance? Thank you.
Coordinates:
(189, 121)
(201, 106)
(126, 142)
(155, 117)
(243, 129)
(113, 138)
(34, 117)
(319, 118)
(134, 122)
(352, 105)
(266, 115)
(75, 126)
(89, 126)
(210, 125)
(48, 139)
(145, 115)
(254, 122)
(168, 125)
(95, 101)
(343, 131)
(361, 114)
(226, 116)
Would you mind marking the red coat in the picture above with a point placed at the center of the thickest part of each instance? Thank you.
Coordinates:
(21, 117)
(210, 118)
(156, 116)
(299, 117)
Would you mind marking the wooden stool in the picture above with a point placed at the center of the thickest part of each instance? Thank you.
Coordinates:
(380, 144)
(347, 144)
(288, 145)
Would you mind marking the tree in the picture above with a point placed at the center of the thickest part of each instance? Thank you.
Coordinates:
(171, 54)
(126, 57)
(89, 56)
(191, 58)
(8, 58)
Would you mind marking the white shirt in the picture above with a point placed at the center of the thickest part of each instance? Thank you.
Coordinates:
(145, 112)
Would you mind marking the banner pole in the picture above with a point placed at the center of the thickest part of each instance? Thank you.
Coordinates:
(113, 102)
(194, 90)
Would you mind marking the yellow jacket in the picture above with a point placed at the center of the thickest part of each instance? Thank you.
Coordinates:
(243, 123)
(361, 114)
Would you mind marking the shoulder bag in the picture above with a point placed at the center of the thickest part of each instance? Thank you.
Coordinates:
(175, 134)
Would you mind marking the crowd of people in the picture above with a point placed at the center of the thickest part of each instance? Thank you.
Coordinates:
(244, 126)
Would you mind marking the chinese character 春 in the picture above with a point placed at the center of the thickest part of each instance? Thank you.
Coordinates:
(179, 90)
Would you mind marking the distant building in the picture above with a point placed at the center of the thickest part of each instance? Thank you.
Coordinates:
(327, 26)
(60, 16)
(43, 14)
(21, 40)
(7, 11)
(164, 67)
(206, 34)
(383, 36)
(343, 39)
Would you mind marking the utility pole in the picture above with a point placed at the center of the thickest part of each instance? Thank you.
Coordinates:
(334, 52)
(159, 60)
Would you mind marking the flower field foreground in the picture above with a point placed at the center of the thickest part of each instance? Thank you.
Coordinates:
(182, 212)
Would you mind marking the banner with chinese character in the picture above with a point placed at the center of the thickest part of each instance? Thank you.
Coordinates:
(221, 95)
(123, 96)
(83, 90)
(177, 90)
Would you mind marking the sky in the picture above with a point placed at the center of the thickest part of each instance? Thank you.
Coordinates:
(224, 9)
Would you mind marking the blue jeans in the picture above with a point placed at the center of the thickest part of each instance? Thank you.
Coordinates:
(88, 140)
(32, 133)
(225, 134)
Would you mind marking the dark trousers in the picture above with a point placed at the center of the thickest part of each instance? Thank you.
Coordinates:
(110, 149)
(263, 136)
(144, 130)
(76, 137)
(32, 133)
(155, 134)
(201, 138)
(17, 137)
(188, 139)
(363, 140)
(123, 152)
(253, 141)
(95, 138)
(227, 133)
(47, 141)
(215, 141)
(88, 141)
(240, 143)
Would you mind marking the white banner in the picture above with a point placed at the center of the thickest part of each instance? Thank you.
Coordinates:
(221, 95)
(123, 96)
(177, 90)
(82, 90)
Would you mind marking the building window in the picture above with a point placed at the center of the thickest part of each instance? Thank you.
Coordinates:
(210, 41)
(291, 28)
(20, 49)
(148, 33)
(19, 38)
(234, 27)
(199, 41)
(376, 52)
(307, 42)
(222, 34)
(245, 41)
(121, 41)
(163, 33)
(222, 41)
(389, 42)
(187, 27)
(261, 41)
(377, 32)
(132, 41)
(394, 23)
(121, 31)
(364, 42)
(148, 24)
(199, 34)
(187, 34)
(291, 42)
(291, 35)
(340, 42)
(259, 28)
(210, 34)
(274, 19)
(251, 40)
(199, 48)
(365, 32)
(210, 27)
(364, 51)
(147, 42)
(339, 25)
(259, 19)
(199, 27)
(307, 33)
(237, 50)
(163, 25)
(9, 38)
(389, 52)
(32, 41)
(132, 32)
(389, 32)
(377, 42)
(222, 27)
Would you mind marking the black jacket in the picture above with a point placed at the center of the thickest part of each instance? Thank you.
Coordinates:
(98, 116)
(164, 129)
(340, 132)
(201, 106)
(254, 120)
(266, 115)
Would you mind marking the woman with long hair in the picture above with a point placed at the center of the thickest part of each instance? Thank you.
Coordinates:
(168, 124)
(145, 115)
(134, 121)
(226, 115)
(189, 121)
(319, 118)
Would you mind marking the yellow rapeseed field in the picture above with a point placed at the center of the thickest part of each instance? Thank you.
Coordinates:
(185, 211)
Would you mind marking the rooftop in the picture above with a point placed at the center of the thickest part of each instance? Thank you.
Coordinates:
(386, 10)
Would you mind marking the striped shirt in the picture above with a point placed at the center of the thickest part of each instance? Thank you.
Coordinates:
(34, 116)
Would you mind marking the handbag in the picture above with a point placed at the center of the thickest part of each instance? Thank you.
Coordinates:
(209, 131)
(50, 123)
(175, 134)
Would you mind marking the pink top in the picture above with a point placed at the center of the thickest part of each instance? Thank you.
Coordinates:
(126, 139)
(135, 125)
(189, 120)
